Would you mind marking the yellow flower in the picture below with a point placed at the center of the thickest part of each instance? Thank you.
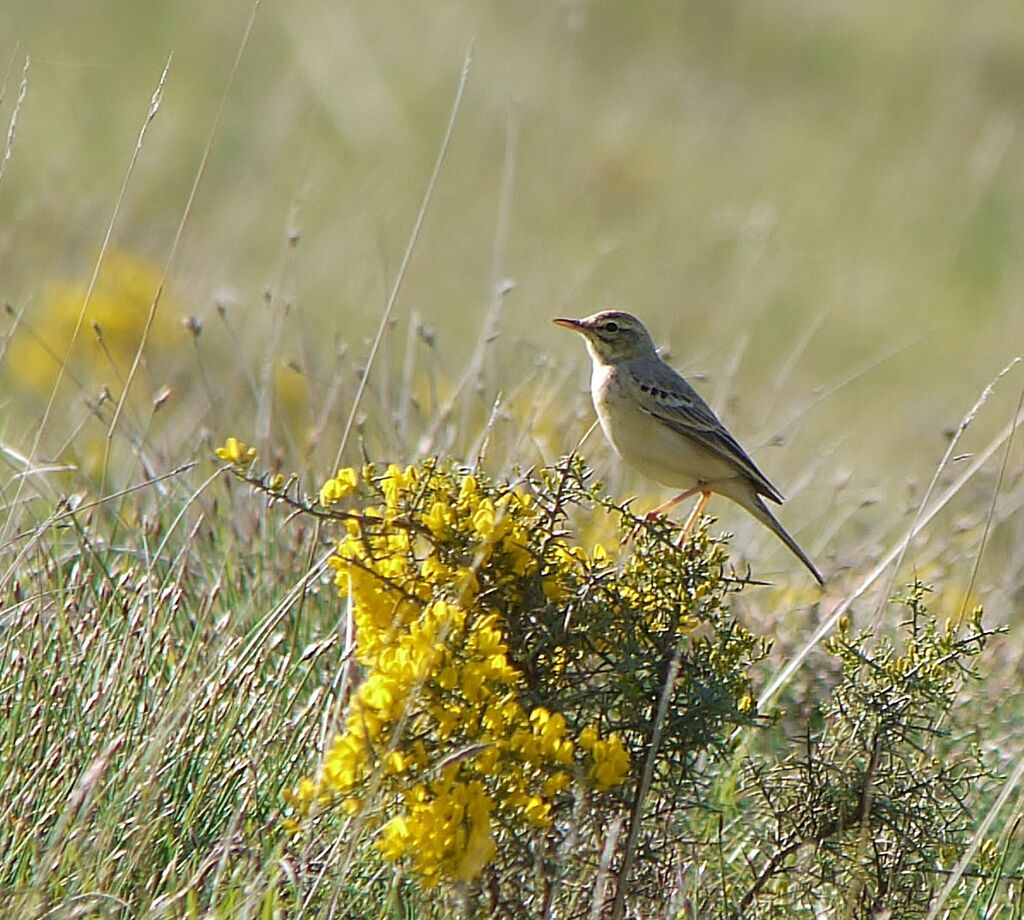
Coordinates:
(448, 719)
(115, 321)
(351, 806)
(472, 682)
(343, 766)
(487, 761)
(499, 716)
(395, 482)
(611, 763)
(381, 693)
(537, 811)
(439, 520)
(486, 639)
(516, 547)
(550, 731)
(427, 599)
(557, 782)
(303, 795)
(554, 589)
(468, 490)
(394, 839)
(236, 452)
(447, 830)
(490, 523)
(479, 848)
(345, 482)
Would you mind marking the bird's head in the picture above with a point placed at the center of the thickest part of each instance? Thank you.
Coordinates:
(612, 336)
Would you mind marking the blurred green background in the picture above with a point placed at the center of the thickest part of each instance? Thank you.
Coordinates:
(817, 205)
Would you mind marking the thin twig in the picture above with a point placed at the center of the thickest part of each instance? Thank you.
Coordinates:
(965, 423)
(12, 128)
(990, 516)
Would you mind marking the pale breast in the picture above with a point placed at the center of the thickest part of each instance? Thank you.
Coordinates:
(645, 443)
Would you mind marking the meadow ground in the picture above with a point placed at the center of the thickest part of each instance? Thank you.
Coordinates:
(337, 232)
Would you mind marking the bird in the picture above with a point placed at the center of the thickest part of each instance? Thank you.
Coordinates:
(661, 426)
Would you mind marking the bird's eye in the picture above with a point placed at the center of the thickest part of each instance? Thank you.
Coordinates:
(611, 326)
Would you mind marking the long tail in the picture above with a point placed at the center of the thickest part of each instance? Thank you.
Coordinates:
(761, 511)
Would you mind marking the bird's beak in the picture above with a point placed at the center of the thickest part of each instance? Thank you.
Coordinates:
(574, 324)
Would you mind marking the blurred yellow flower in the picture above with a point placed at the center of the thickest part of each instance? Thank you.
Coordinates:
(611, 762)
(111, 328)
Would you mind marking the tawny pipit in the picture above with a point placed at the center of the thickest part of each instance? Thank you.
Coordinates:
(659, 424)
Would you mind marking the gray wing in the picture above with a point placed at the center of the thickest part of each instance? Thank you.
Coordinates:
(681, 407)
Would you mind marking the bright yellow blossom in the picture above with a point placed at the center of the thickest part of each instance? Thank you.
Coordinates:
(341, 486)
(236, 452)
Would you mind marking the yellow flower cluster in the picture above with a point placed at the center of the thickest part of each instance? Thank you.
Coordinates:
(446, 830)
(440, 732)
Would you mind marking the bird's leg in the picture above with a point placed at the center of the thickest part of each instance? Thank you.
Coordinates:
(694, 516)
(663, 508)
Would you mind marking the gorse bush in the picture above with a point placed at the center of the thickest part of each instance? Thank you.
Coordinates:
(510, 679)
(880, 789)
(437, 727)
(531, 727)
